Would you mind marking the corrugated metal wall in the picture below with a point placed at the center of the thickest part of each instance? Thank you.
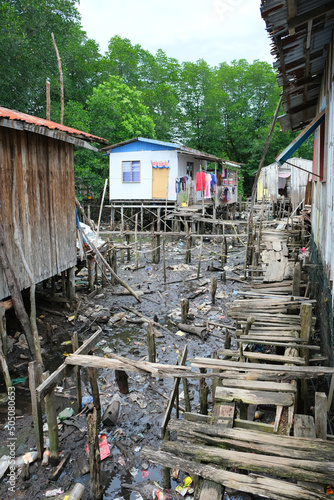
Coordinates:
(37, 190)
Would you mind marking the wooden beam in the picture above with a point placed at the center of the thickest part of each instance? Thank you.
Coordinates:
(320, 10)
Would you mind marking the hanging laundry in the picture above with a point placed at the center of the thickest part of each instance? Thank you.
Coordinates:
(233, 190)
(213, 184)
(207, 193)
(177, 185)
(200, 181)
(226, 194)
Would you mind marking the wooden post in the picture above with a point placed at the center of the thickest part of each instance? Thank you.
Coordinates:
(51, 416)
(114, 265)
(127, 238)
(121, 378)
(187, 259)
(200, 258)
(112, 217)
(136, 240)
(203, 394)
(48, 100)
(71, 285)
(186, 394)
(63, 284)
(158, 237)
(36, 407)
(104, 279)
(60, 80)
(166, 470)
(122, 234)
(3, 330)
(75, 346)
(91, 272)
(164, 256)
(305, 334)
(184, 310)
(320, 417)
(153, 243)
(213, 289)
(152, 354)
(214, 379)
(94, 386)
(297, 271)
(96, 490)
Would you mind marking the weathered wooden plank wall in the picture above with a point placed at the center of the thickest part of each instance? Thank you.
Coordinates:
(37, 189)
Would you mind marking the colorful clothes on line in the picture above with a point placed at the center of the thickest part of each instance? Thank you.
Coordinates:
(200, 181)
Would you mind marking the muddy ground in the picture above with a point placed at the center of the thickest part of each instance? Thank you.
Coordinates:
(141, 411)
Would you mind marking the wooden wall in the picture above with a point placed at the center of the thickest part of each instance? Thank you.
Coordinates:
(37, 190)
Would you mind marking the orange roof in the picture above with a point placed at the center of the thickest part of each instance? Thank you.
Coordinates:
(40, 122)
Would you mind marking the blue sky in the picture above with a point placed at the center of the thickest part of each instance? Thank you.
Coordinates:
(188, 30)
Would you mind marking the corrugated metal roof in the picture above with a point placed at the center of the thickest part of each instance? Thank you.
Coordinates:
(40, 122)
(301, 35)
(179, 147)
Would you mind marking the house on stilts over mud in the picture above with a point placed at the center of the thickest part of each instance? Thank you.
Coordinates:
(303, 44)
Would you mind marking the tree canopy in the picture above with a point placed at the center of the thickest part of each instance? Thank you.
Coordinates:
(127, 92)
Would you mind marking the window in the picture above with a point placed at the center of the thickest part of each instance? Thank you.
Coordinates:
(131, 171)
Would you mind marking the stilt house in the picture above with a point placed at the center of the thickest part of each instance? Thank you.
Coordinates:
(37, 196)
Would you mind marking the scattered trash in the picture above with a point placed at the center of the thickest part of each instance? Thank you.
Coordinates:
(144, 474)
(137, 448)
(27, 458)
(159, 495)
(86, 400)
(133, 471)
(180, 333)
(111, 414)
(65, 414)
(54, 493)
(19, 380)
(104, 447)
(121, 461)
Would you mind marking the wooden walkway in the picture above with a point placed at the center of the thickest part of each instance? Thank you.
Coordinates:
(290, 456)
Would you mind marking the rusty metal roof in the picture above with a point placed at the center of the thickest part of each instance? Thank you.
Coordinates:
(17, 116)
(301, 31)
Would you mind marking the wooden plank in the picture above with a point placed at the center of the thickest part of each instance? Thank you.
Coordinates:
(274, 358)
(277, 490)
(260, 386)
(318, 449)
(306, 470)
(254, 397)
(285, 342)
(304, 426)
(316, 371)
(253, 426)
(320, 415)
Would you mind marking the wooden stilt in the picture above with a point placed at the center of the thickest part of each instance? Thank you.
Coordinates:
(51, 416)
(127, 238)
(136, 240)
(91, 272)
(3, 349)
(184, 310)
(152, 354)
(186, 395)
(122, 234)
(36, 407)
(213, 289)
(104, 280)
(200, 258)
(75, 346)
(63, 284)
(94, 386)
(203, 394)
(305, 333)
(71, 285)
(96, 490)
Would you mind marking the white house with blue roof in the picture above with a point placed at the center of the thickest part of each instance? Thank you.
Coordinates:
(148, 169)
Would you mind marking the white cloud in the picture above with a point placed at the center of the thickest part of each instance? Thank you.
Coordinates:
(214, 30)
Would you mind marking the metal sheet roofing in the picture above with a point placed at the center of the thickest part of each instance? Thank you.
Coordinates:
(179, 147)
(40, 122)
(301, 31)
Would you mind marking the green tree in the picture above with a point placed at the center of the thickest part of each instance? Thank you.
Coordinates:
(117, 112)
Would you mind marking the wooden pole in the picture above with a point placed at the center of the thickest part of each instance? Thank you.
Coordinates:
(91, 272)
(122, 234)
(213, 289)
(152, 353)
(200, 258)
(71, 285)
(203, 394)
(51, 416)
(15, 292)
(60, 81)
(34, 381)
(48, 100)
(186, 394)
(96, 490)
(94, 386)
(320, 416)
(127, 239)
(75, 346)
(184, 310)
(136, 240)
(100, 212)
